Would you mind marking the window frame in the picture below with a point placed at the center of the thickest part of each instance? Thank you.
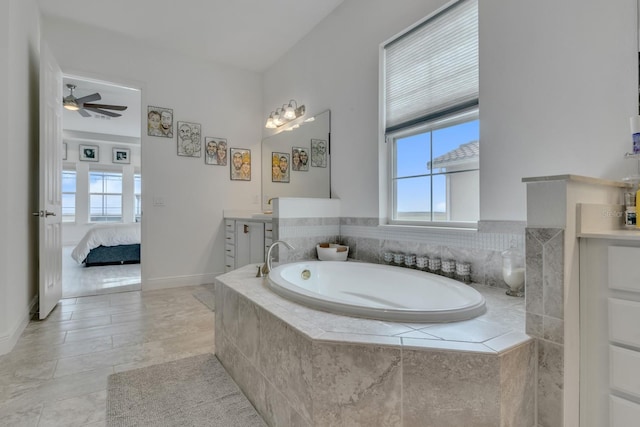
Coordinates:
(425, 127)
(103, 194)
(75, 196)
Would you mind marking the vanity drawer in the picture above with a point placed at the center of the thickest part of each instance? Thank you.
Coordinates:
(624, 319)
(229, 263)
(623, 413)
(230, 237)
(624, 268)
(624, 370)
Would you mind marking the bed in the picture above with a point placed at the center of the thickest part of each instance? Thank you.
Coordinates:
(109, 244)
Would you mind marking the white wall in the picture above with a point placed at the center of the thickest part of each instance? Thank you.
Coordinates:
(558, 82)
(183, 240)
(19, 48)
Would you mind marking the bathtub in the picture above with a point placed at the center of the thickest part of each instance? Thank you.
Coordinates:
(376, 291)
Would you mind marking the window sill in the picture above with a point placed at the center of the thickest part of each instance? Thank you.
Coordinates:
(470, 227)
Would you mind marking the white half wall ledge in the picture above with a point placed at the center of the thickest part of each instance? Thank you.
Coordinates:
(306, 207)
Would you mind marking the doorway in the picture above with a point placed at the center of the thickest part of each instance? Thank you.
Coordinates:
(101, 187)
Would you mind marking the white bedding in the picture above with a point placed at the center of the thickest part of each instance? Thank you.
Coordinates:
(106, 235)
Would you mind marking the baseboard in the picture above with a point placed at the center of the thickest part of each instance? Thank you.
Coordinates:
(178, 281)
(7, 342)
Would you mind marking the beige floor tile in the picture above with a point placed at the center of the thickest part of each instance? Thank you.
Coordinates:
(27, 417)
(76, 411)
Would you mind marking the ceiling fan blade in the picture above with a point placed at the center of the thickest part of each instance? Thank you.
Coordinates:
(105, 106)
(103, 112)
(83, 113)
(89, 98)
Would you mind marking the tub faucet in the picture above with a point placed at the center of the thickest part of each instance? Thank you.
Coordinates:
(266, 268)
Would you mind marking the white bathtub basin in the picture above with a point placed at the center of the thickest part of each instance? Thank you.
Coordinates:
(376, 291)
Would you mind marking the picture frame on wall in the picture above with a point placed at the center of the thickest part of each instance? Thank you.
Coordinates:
(121, 155)
(215, 151)
(280, 164)
(88, 153)
(319, 153)
(300, 159)
(189, 139)
(159, 121)
(240, 165)
(64, 151)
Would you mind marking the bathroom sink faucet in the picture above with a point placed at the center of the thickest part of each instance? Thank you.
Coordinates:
(266, 268)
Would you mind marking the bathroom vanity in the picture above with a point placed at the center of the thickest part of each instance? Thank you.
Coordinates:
(609, 319)
(246, 239)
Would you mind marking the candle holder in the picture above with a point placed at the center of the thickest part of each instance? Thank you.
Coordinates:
(513, 271)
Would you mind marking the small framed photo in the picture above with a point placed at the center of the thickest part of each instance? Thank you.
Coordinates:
(319, 153)
(189, 143)
(240, 164)
(279, 167)
(88, 153)
(121, 155)
(300, 159)
(160, 121)
(64, 151)
(215, 151)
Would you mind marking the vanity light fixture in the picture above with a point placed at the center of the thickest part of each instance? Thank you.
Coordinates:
(285, 114)
(270, 123)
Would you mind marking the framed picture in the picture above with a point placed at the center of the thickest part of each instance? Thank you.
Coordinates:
(319, 153)
(240, 164)
(215, 151)
(121, 155)
(189, 142)
(300, 159)
(88, 153)
(64, 151)
(159, 122)
(279, 167)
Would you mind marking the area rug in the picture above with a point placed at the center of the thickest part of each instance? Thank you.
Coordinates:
(207, 297)
(195, 391)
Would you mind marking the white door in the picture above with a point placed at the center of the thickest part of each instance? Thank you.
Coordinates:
(50, 201)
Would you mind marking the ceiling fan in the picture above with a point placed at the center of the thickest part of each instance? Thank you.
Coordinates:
(81, 105)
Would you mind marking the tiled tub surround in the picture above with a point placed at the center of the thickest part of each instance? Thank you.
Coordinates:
(545, 317)
(302, 367)
(368, 241)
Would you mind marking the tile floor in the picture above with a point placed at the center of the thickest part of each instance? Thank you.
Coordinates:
(78, 280)
(57, 373)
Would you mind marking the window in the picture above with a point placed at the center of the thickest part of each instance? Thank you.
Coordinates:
(105, 197)
(137, 194)
(68, 196)
(431, 119)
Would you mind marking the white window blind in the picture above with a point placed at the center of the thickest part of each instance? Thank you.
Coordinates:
(432, 70)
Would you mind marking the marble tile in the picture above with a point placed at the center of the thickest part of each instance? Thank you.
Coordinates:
(284, 357)
(553, 277)
(533, 278)
(368, 250)
(469, 331)
(553, 329)
(517, 386)
(27, 417)
(77, 411)
(550, 384)
(356, 385)
(448, 389)
(508, 341)
(534, 325)
(248, 322)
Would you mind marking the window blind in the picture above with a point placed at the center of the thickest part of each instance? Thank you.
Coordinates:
(432, 70)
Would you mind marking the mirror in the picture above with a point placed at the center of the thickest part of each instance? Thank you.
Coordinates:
(296, 163)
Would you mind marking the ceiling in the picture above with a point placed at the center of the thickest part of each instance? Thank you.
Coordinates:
(249, 34)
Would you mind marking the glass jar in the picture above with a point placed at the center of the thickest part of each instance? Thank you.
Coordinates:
(513, 271)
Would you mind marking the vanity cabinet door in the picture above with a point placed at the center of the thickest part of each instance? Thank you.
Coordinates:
(249, 243)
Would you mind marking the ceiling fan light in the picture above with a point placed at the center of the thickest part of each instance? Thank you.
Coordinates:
(71, 104)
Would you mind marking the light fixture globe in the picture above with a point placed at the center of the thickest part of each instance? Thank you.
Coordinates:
(289, 111)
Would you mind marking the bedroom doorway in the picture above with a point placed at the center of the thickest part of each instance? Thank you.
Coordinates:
(101, 187)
